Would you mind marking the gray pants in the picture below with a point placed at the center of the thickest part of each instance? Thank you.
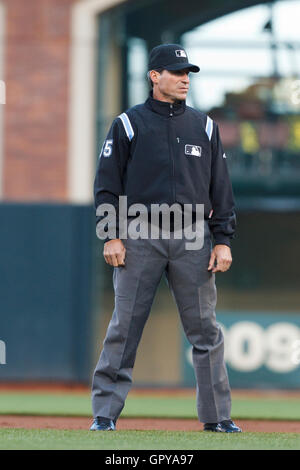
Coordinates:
(193, 288)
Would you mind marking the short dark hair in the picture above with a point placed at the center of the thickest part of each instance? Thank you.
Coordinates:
(148, 76)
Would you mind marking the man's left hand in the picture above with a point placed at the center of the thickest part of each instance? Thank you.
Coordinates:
(221, 256)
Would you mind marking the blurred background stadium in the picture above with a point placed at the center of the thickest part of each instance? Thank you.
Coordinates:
(69, 67)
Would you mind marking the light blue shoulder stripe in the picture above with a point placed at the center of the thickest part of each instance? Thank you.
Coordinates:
(127, 126)
(209, 127)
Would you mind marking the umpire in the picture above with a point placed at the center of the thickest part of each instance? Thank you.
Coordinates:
(165, 152)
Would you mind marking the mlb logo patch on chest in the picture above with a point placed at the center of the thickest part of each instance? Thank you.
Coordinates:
(194, 150)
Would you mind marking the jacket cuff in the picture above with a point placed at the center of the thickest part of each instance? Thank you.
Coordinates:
(221, 239)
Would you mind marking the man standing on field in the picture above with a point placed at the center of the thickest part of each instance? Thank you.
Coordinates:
(164, 152)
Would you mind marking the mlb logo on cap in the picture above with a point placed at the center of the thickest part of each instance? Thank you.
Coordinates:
(180, 53)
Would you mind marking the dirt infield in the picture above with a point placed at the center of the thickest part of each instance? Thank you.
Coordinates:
(39, 387)
(54, 422)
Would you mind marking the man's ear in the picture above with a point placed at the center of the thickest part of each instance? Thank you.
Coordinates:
(154, 75)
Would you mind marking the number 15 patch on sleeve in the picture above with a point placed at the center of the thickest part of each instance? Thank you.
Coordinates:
(106, 150)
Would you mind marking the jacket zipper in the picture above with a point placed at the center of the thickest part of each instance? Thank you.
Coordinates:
(172, 157)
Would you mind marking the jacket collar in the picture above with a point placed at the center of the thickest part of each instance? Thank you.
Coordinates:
(164, 108)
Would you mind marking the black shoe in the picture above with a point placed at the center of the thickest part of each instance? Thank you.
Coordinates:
(103, 424)
(224, 426)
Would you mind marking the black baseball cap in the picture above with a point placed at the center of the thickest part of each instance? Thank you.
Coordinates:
(170, 57)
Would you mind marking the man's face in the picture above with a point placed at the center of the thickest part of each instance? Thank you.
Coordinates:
(172, 85)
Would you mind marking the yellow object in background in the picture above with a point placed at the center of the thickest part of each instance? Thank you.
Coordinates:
(249, 138)
(294, 137)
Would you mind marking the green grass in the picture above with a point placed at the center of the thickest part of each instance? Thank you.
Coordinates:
(79, 404)
(12, 439)
(71, 404)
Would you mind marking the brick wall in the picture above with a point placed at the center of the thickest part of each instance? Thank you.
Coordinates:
(36, 113)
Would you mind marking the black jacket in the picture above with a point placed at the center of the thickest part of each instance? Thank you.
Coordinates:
(157, 152)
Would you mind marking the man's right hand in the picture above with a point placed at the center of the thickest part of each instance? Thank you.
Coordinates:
(114, 252)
